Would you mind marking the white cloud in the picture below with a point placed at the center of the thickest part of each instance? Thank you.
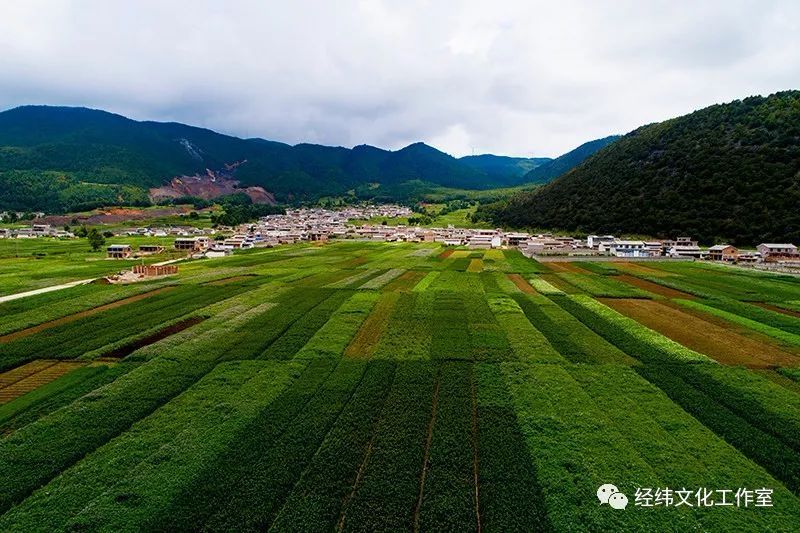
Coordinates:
(527, 78)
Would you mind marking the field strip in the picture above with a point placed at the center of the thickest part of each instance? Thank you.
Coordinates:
(127, 349)
(19, 373)
(43, 290)
(475, 459)
(775, 308)
(38, 379)
(366, 341)
(427, 455)
(718, 342)
(655, 288)
(76, 316)
(521, 284)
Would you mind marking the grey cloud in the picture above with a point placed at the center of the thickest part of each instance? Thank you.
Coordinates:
(512, 77)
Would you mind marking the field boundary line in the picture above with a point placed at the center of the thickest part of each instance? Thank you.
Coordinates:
(427, 455)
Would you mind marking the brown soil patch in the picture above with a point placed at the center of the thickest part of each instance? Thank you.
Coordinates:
(369, 334)
(781, 310)
(124, 351)
(405, 282)
(522, 283)
(724, 344)
(563, 266)
(47, 371)
(232, 279)
(445, 254)
(637, 268)
(655, 288)
(71, 318)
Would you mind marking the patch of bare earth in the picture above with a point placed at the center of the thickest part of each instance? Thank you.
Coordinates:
(563, 266)
(521, 283)
(715, 340)
(781, 310)
(655, 288)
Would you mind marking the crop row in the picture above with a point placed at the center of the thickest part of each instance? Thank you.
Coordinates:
(332, 338)
(510, 492)
(409, 332)
(452, 333)
(315, 502)
(154, 459)
(387, 492)
(602, 286)
(256, 498)
(630, 336)
(567, 335)
(35, 453)
(56, 394)
(379, 281)
(764, 448)
(114, 325)
(776, 325)
(522, 265)
(366, 340)
(299, 333)
(543, 286)
(647, 441)
(526, 341)
(426, 282)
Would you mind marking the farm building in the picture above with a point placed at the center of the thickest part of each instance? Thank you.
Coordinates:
(150, 249)
(626, 248)
(191, 244)
(119, 251)
(155, 270)
(771, 251)
(723, 252)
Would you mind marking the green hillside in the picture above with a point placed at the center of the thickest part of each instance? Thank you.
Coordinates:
(510, 170)
(555, 167)
(727, 172)
(61, 159)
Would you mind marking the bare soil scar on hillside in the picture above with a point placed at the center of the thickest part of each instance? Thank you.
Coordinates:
(722, 343)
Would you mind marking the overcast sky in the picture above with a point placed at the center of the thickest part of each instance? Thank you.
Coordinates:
(509, 77)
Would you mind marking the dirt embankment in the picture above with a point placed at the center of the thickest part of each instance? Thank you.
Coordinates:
(210, 185)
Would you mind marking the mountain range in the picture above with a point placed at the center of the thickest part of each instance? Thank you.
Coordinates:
(728, 172)
(66, 158)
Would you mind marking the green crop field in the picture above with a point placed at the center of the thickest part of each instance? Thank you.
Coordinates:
(364, 386)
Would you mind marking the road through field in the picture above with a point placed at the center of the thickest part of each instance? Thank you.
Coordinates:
(43, 290)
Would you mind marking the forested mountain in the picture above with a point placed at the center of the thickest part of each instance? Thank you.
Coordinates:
(505, 171)
(555, 167)
(59, 158)
(727, 172)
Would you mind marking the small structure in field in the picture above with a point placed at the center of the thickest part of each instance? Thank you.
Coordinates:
(119, 251)
(155, 270)
(150, 249)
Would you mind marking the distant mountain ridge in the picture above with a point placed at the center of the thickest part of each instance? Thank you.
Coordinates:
(70, 158)
(729, 172)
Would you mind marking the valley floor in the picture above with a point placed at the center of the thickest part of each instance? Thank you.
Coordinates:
(373, 386)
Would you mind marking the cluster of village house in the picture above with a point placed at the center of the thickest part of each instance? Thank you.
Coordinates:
(299, 225)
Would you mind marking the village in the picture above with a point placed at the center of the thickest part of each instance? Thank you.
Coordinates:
(321, 225)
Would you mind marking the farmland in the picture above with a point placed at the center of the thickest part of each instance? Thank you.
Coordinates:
(361, 386)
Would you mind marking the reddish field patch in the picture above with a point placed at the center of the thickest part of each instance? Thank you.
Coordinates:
(777, 309)
(637, 268)
(366, 340)
(33, 375)
(722, 343)
(445, 254)
(655, 288)
(71, 318)
(563, 266)
(522, 284)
